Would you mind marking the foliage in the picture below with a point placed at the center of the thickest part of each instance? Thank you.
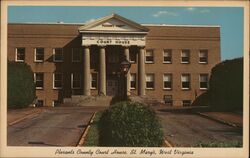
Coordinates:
(226, 85)
(92, 137)
(221, 144)
(130, 124)
(21, 87)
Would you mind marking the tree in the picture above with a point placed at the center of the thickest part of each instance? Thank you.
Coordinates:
(226, 85)
(21, 86)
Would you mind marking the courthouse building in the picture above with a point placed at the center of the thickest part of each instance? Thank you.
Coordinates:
(170, 63)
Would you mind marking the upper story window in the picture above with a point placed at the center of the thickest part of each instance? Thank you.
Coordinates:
(76, 80)
(132, 57)
(94, 81)
(203, 81)
(76, 55)
(203, 56)
(167, 56)
(58, 80)
(149, 56)
(185, 56)
(20, 54)
(39, 80)
(150, 81)
(132, 81)
(39, 54)
(167, 81)
(185, 81)
(58, 55)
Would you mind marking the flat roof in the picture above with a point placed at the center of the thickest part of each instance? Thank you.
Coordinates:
(62, 23)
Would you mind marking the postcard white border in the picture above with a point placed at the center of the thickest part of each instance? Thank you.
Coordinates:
(49, 151)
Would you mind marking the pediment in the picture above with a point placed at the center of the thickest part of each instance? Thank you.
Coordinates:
(114, 23)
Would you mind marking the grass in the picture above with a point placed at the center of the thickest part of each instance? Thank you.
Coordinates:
(221, 144)
(92, 137)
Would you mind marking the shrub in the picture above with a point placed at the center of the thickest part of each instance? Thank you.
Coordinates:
(130, 124)
(21, 87)
(226, 85)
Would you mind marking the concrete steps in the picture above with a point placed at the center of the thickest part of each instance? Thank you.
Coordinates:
(79, 100)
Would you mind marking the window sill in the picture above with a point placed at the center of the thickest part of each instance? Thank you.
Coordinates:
(39, 88)
(202, 62)
(204, 89)
(149, 62)
(167, 89)
(93, 88)
(185, 62)
(132, 88)
(57, 88)
(185, 89)
(19, 61)
(150, 89)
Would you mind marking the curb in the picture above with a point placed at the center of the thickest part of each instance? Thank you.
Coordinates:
(168, 143)
(23, 118)
(82, 138)
(219, 120)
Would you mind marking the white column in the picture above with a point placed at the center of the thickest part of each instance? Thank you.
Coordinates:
(126, 53)
(102, 72)
(86, 71)
(141, 72)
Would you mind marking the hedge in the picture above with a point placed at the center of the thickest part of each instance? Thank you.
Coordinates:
(130, 124)
(21, 86)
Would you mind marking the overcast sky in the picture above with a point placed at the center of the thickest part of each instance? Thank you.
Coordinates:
(230, 19)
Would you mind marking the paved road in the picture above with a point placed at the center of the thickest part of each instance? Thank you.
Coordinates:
(186, 129)
(61, 126)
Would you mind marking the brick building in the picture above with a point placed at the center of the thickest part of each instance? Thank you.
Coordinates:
(171, 63)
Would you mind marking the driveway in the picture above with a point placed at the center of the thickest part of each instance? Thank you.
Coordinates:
(184, 129)
(60, 126)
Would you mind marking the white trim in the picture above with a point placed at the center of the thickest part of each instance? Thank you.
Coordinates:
(149, 62)
(147, 74)
(91, 81)
(169, 25)
(200, 81)
(54, 80)
(72, 74)
(57, 61)
(164, 81)
(187, 74)
(163, 54)
(131, 81)
(16, 54)
(35, 73)
(35, 60)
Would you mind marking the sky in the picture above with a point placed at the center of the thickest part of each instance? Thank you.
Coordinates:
(229, 18)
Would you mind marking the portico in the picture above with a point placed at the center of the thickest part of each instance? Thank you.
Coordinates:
(115, 31)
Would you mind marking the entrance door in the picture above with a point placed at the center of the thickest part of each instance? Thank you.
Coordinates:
(112, 87)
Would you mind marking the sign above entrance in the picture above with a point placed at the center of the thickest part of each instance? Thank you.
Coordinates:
(126, 40)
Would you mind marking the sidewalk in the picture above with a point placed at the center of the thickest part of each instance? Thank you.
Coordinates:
(229, 118)
(16, 115)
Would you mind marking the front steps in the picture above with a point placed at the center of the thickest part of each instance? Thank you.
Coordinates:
(80, 100)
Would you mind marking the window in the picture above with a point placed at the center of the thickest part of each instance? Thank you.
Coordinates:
(132, 57)
(113, 57)
(186, 102)
(168, 100)
(58, 80)
(167, 56)
(93, 80)
(203, 55)
(58, 55)
(55, 103)
(39, 54)
(149, 81)
(149, 56)
(185, 81)
(76, 55)
(203, 81)
(39, 80)
(185, 56)
(75, 81)
(132, 81)
(39, 103)
(20, 54)
(167, 81)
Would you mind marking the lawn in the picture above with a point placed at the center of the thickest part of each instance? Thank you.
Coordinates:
(92, 137)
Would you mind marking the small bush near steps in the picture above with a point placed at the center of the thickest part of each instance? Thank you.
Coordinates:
(130, 124)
